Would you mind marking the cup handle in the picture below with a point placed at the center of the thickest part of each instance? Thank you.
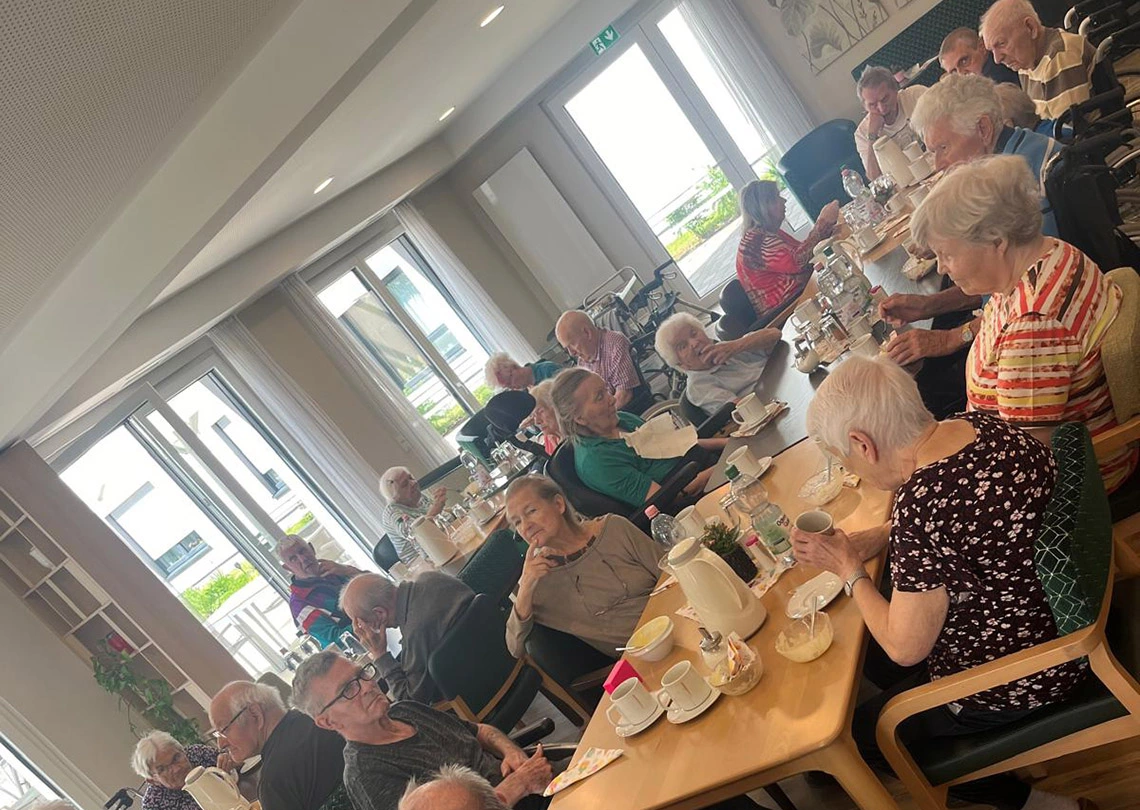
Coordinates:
(665, 699)
(739, 421)
(610, 717)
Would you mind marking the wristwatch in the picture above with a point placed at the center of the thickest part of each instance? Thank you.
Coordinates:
(967, 333)
(849, 585)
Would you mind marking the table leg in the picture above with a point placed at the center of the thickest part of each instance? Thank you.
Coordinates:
(841, 759)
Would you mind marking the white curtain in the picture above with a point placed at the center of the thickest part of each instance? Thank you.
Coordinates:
(353, 478)
(755, 81)
(492, 326)
(410, 429)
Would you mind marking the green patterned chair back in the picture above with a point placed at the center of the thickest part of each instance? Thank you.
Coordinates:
(1073, 553)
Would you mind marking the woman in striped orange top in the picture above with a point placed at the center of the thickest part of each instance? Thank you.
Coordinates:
(1035, 358)
(773, 266)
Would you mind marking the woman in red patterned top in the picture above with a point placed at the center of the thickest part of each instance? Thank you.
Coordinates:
(773, 267)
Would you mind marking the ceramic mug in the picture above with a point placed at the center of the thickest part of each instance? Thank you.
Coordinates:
(749, 409)
(806, 313)
(683, 688)
(744, 460)
(913, 151)
(815, 521)
(691, 521)
(897, 204)
(918, 195)
(866, 237)
(858, 327)
(920, 169)
(632, 702)
(808, 361)
(865, 346)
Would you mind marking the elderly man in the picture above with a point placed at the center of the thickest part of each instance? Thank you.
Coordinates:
(302, 766)
(422, 609)
(959, 119)
(1057, 69)
(718, 372)
(314, 588)
(164, 762)
(389, 744)
(888, 114)
(406, 502)
(502, 372)
(608, 354)
(963, 51)
(455, 787)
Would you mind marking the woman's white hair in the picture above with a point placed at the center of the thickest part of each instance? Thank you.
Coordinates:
(388, 482)
(542, 394)
(872, 396)
(960, 99)
(982, 202)
(1017, 108)
(499, 361)
(147, 750)
(481, 792)
(669, 332)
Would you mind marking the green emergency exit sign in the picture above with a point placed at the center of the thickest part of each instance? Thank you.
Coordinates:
(605, 40)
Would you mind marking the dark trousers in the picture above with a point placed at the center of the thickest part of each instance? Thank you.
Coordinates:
(1004, 791)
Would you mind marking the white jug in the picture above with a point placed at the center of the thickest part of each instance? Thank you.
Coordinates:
(892, 161)
(723, 601)
(432, 540)
(214, 789)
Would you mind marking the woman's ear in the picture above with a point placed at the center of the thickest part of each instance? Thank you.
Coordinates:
(860, 444)
(560, 505)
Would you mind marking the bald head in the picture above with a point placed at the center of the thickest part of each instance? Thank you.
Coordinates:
(577, 334)
(370, 598)
(1013, 33)
(455, 787)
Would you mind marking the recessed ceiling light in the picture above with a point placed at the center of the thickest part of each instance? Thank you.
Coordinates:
(446, 113)
(490, 18)
(324, 184)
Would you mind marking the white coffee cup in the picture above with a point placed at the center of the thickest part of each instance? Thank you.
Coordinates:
(807, 312)
(745, 461)
(913, 151)
(691, 521)
(866, 237)
(897, 204)
(749, 409)
(920, 169)
(633, 703)
(683, 688)
(865, 345)
(815, 521)
(918, 195)
(482, 511)
(858, 327)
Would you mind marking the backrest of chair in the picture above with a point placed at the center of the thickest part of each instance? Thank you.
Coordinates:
(696, 415)
(589, 502)
(1073, 551)
(735, 302)
(472, 660)
(811, 167)
(496, 567)
(385, 553)
(1121, 347)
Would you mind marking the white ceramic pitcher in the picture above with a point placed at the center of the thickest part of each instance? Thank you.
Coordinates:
(432, 540)
(723, 601)
(214, 789)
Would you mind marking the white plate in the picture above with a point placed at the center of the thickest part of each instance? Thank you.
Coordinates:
(629, 729)
(677, 716)
(826, 587)
(863, 251)
(916, 268)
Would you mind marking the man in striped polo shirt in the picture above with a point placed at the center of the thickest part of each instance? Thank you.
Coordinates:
(1057, 69)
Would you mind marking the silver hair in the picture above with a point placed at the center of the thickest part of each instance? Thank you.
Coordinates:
(481, 792)
(961, 100)
(147, 750)
(1017, 108)
(563, 396)
(247, 693)
(541, 394)
(1005, 12)
(377, 591)
(873, 396)
(874, 76)
(668, 332)
(388, 482)
(314, 667)
(287, 542)
(495, 363)
(982, 202)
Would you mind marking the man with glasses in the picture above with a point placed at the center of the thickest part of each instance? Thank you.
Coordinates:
(390, 744)
(302, 766)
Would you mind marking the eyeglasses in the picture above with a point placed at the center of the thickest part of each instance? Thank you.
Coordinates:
(353, 687)
(222, 731)
(162, 770)
(621, 600)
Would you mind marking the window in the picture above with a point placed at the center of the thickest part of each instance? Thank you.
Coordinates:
(390, 301)
(182, 553)
(662, 134)
(21, 785)
(268, 476)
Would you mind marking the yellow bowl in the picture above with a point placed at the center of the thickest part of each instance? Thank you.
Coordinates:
(653, 640)
(796, 643)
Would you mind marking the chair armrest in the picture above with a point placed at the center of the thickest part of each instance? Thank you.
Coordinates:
(555, 752)
(715, 423)
(670, 488)
(1114, 439)
(591, 680)
(529, 735)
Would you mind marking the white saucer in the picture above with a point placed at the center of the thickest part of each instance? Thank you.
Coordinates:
(677, 716)
(494, 515)
(629, 729)
(825, 587)
(773, 410)
(863, 251)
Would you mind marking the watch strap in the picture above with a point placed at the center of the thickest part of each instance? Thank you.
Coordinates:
(849, 585)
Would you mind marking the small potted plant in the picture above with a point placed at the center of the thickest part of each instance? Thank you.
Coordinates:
(721, 541)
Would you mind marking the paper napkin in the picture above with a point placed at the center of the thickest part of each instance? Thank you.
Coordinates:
(588, 764)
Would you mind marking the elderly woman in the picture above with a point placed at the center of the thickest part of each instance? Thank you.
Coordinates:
(502, 372)
(970, 495)
(718, 372)
(590, 419)
(1035, 359)
(773, 266)
(589, 578)
(543, 416)
(406, 502)
(164, 762)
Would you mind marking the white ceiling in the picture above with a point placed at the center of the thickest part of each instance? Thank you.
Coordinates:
(445, 60)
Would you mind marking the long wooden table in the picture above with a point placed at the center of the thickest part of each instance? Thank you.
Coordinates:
(798, 718)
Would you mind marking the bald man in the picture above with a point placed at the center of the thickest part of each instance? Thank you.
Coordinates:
(1057, 69)
(606, 353)
(454, 787)
(423, 610)
(963, 51)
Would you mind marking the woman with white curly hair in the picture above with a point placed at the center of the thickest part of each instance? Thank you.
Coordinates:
(164, 763)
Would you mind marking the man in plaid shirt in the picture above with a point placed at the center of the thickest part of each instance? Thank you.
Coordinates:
(607, 354)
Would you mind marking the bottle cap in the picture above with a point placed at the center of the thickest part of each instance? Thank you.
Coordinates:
(731, 472)
(652, 511)
(753, 539)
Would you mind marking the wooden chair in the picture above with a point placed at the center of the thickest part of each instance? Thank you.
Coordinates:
(1073, 558)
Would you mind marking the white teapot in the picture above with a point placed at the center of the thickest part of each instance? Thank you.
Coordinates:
(214, 789)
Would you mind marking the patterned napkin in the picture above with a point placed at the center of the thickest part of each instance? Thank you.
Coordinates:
(587, 765)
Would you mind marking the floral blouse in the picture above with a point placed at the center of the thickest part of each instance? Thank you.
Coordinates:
(158, 797)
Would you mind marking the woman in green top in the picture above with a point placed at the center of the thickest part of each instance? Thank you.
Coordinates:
(590, 419)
